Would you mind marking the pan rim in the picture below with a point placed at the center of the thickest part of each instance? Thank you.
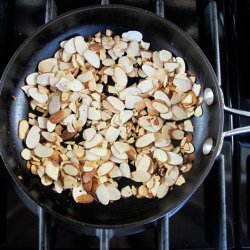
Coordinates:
(173, 208)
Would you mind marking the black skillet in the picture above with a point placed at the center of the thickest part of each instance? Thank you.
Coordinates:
(162, 34)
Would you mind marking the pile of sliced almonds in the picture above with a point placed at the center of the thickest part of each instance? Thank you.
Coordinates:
(107, 108)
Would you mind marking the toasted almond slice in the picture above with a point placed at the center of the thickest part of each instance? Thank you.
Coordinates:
(97, 139)
(145, 140)
(70, 169)
(145, 86)
(58, 187)
(112, 134)
(180, 180)
(133, 49)
(115, 159)
(160, 155)
(116, 103)
(149, 70)
(162, 190)
(196, 89)
(26, 154)
(42, 122)
(74, 85)
(191, 148)
(142, 162)
(182, 84)
(37, 96)
(160, 95)
(176, 134)
(23, 128)
(125, 170)
(78, 191)
(50, 137)
(83, 113)
(88, 134)
(46, 180)
(69, 46)
(103, 194)
(47, 65)
(161, 141)
(125, 116)
(94, 114)
(52, 170)
(182, 67)
(140, 176)
(100, 151)
(84, 198)
(69, 182)
(170, 66)
(122, 146)
(33, 137)
(132, 35)
(128, 92)
(31, 79)
(174, 158)
(85, 77)
(165, 55)
(91, 157)
(115, 172)
(121, 78)
(43, 151)
(105, 168)
(126, 192)
(114, 193)
(59, 116)
(92, 58)
(25, 89)
(198, 111)
(188, 126)
(119, 155)
(171, 175)
(80, 45)
(108, 62)
(131, 101)
(50, 126)
(179, 113)
(177, 97)
(160, 106)
(43, 79)
(54, 105)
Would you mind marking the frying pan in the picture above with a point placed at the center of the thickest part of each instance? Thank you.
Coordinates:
(162, 34)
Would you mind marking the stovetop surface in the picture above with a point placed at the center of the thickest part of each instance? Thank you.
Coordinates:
(198, 224)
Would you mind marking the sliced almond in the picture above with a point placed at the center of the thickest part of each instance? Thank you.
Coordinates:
(198, 111)
(116, 103)
(92, 58)
(176, 134)
(174, 158)
(97, 139)
(37, 96)
(103, 194)
(94, 114)
(188, 126)
(171, 175)
(23, 128)
(112, 134)
(160, 106)
(125, 115)
(133, 49)
(69, 46)
(182, 84)
(145, 140)
(196, 89)
(140, 176)
(43, 151)
(165, 55)
(105, 168)
(47, 65)
(145, 86)
(132, 35)
(149, 70)
(179, 113)
(80, 45)
(125, 170)
(33, 137)
(52, 170)
(85, 77)
(100, 151)
(129, 91)
(26, 154)
(126, 192)
(182, 67)
(131, 101)
(31, 79)
(114, 193)
(160, 95)
(50, 137)
(162, 190)
(70, 169)
(121, 78)
(88, 134)
(43, 79)
(142, 162)
(160, 155)
(69, 182)
(59, 116)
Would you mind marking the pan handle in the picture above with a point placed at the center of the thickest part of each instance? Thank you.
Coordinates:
(237, 111)
(104, 236)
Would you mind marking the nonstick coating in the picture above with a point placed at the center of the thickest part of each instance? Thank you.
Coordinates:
(162, 34)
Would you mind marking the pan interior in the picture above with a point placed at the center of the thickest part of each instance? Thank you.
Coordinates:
(86, 22)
